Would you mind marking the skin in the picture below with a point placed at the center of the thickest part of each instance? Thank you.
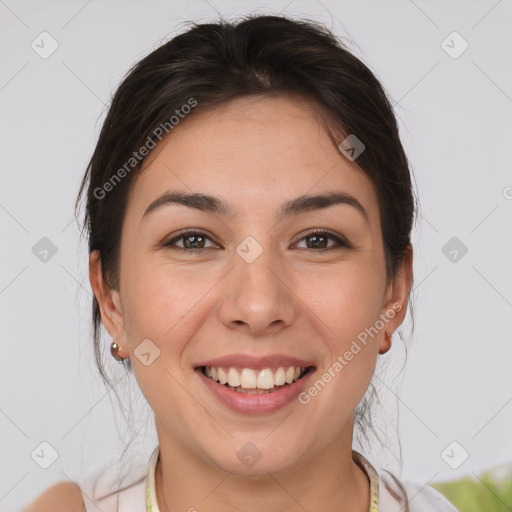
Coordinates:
(294, 299)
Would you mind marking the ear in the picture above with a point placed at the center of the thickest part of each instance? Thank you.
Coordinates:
(109, 302)
(395, 299)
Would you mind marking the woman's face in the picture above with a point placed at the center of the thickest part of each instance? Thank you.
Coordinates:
(259, 292)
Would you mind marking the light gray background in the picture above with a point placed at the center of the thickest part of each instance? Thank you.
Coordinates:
(455, 117)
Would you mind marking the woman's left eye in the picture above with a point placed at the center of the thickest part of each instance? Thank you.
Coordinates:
(320, 238)
(195, 240)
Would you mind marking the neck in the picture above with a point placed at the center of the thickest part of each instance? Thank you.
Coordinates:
(331, 481)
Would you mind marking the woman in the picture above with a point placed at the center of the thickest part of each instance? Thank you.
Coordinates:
(249, 210)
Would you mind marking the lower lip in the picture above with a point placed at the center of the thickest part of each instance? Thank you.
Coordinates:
(255, 404)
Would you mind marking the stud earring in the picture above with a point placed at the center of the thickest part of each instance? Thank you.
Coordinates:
(114, 350)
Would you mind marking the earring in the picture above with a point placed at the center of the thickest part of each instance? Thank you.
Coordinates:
(114, 350)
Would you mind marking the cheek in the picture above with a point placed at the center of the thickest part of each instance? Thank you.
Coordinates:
(348, 299)
(348, 303)
(350, 307)
(161, 301)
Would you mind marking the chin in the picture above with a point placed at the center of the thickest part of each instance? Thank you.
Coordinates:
(257, 456)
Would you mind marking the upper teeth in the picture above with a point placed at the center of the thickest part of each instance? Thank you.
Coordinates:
(250, 379)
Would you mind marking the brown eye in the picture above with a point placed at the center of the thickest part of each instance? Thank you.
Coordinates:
(319, 240)
(192, 240)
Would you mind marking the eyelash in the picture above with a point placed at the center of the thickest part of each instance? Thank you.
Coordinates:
(341, 243)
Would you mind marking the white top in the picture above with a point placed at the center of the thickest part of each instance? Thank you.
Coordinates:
(135, 492)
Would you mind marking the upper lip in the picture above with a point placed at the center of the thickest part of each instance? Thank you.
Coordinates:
(248, 361)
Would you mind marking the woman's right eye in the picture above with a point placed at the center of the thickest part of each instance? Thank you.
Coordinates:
(192, 240)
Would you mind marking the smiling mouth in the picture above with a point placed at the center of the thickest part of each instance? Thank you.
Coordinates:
(255, 382)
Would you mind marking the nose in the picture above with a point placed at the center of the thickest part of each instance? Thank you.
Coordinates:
(258, 298)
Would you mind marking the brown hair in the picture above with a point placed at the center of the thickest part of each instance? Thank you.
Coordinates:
(213, 63)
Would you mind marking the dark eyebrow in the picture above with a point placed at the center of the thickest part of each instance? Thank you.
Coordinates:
(301, 204)
(201, 202)
(307, 203)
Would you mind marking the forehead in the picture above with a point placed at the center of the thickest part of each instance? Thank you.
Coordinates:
(252, 152)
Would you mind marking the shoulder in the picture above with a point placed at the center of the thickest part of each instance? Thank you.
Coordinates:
(61, 497)
(410, 496)
(115, 487)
